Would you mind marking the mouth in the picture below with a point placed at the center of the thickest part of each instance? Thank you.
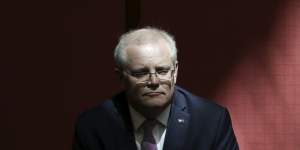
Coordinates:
(153, 94)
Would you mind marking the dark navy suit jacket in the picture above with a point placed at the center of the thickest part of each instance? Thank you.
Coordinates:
(194, 124)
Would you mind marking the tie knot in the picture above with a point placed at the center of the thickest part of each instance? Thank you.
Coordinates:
(149, 125)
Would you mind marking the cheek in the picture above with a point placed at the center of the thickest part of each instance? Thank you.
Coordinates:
(128, 83)
(170, 90)
(133, 89)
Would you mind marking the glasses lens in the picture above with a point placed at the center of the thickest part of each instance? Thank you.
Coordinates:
(162, 75)
(145, 76)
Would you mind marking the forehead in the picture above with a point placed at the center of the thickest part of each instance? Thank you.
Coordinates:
(148, 55)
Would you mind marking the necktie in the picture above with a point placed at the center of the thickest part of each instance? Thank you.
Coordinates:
(148, 142)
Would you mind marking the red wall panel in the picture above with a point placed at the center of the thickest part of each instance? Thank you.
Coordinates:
(263, 90)
(58, 61)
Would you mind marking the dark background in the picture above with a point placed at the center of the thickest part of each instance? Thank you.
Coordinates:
(57, 60)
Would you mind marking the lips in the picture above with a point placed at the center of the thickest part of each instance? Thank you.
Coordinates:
(153, 94)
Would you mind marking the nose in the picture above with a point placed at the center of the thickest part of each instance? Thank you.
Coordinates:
(153, 81)
(153, 78)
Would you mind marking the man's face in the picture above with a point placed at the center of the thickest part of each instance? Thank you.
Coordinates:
(149, 91)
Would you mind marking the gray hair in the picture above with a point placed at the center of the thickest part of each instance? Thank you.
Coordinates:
(143, 36)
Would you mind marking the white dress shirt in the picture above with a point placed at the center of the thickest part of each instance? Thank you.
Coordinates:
(159, 131)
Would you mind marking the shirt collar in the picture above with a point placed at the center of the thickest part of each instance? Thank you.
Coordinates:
(138, 119)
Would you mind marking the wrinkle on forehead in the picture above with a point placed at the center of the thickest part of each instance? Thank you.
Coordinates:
(150, 54)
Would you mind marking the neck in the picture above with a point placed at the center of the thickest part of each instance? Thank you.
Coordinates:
(149, 112)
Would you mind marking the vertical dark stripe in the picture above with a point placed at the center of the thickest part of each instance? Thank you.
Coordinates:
(132, 13)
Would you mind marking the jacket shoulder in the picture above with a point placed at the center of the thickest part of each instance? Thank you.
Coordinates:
(95, 115)
(196, 102)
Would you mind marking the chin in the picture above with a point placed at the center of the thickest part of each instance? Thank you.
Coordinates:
(154, 102)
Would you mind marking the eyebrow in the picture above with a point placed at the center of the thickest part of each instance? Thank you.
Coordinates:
(163, 67)
(144, 69)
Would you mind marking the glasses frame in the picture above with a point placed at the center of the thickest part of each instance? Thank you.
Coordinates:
(149, 74)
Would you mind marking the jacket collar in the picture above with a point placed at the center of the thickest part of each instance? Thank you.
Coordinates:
(177, 124)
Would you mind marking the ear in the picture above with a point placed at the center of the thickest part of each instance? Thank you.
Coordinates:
(176, 71)
(119, 73)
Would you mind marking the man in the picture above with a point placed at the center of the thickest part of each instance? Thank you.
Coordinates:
(152, 113)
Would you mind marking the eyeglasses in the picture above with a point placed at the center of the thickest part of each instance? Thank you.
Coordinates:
(144, 76)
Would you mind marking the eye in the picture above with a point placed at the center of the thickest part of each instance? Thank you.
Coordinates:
(139, 74)
(163, 71)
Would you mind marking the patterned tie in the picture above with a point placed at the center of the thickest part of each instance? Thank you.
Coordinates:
(148, 140)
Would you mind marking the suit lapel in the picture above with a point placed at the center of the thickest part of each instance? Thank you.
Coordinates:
(178, 124)
(177, 127)
(124, 119)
